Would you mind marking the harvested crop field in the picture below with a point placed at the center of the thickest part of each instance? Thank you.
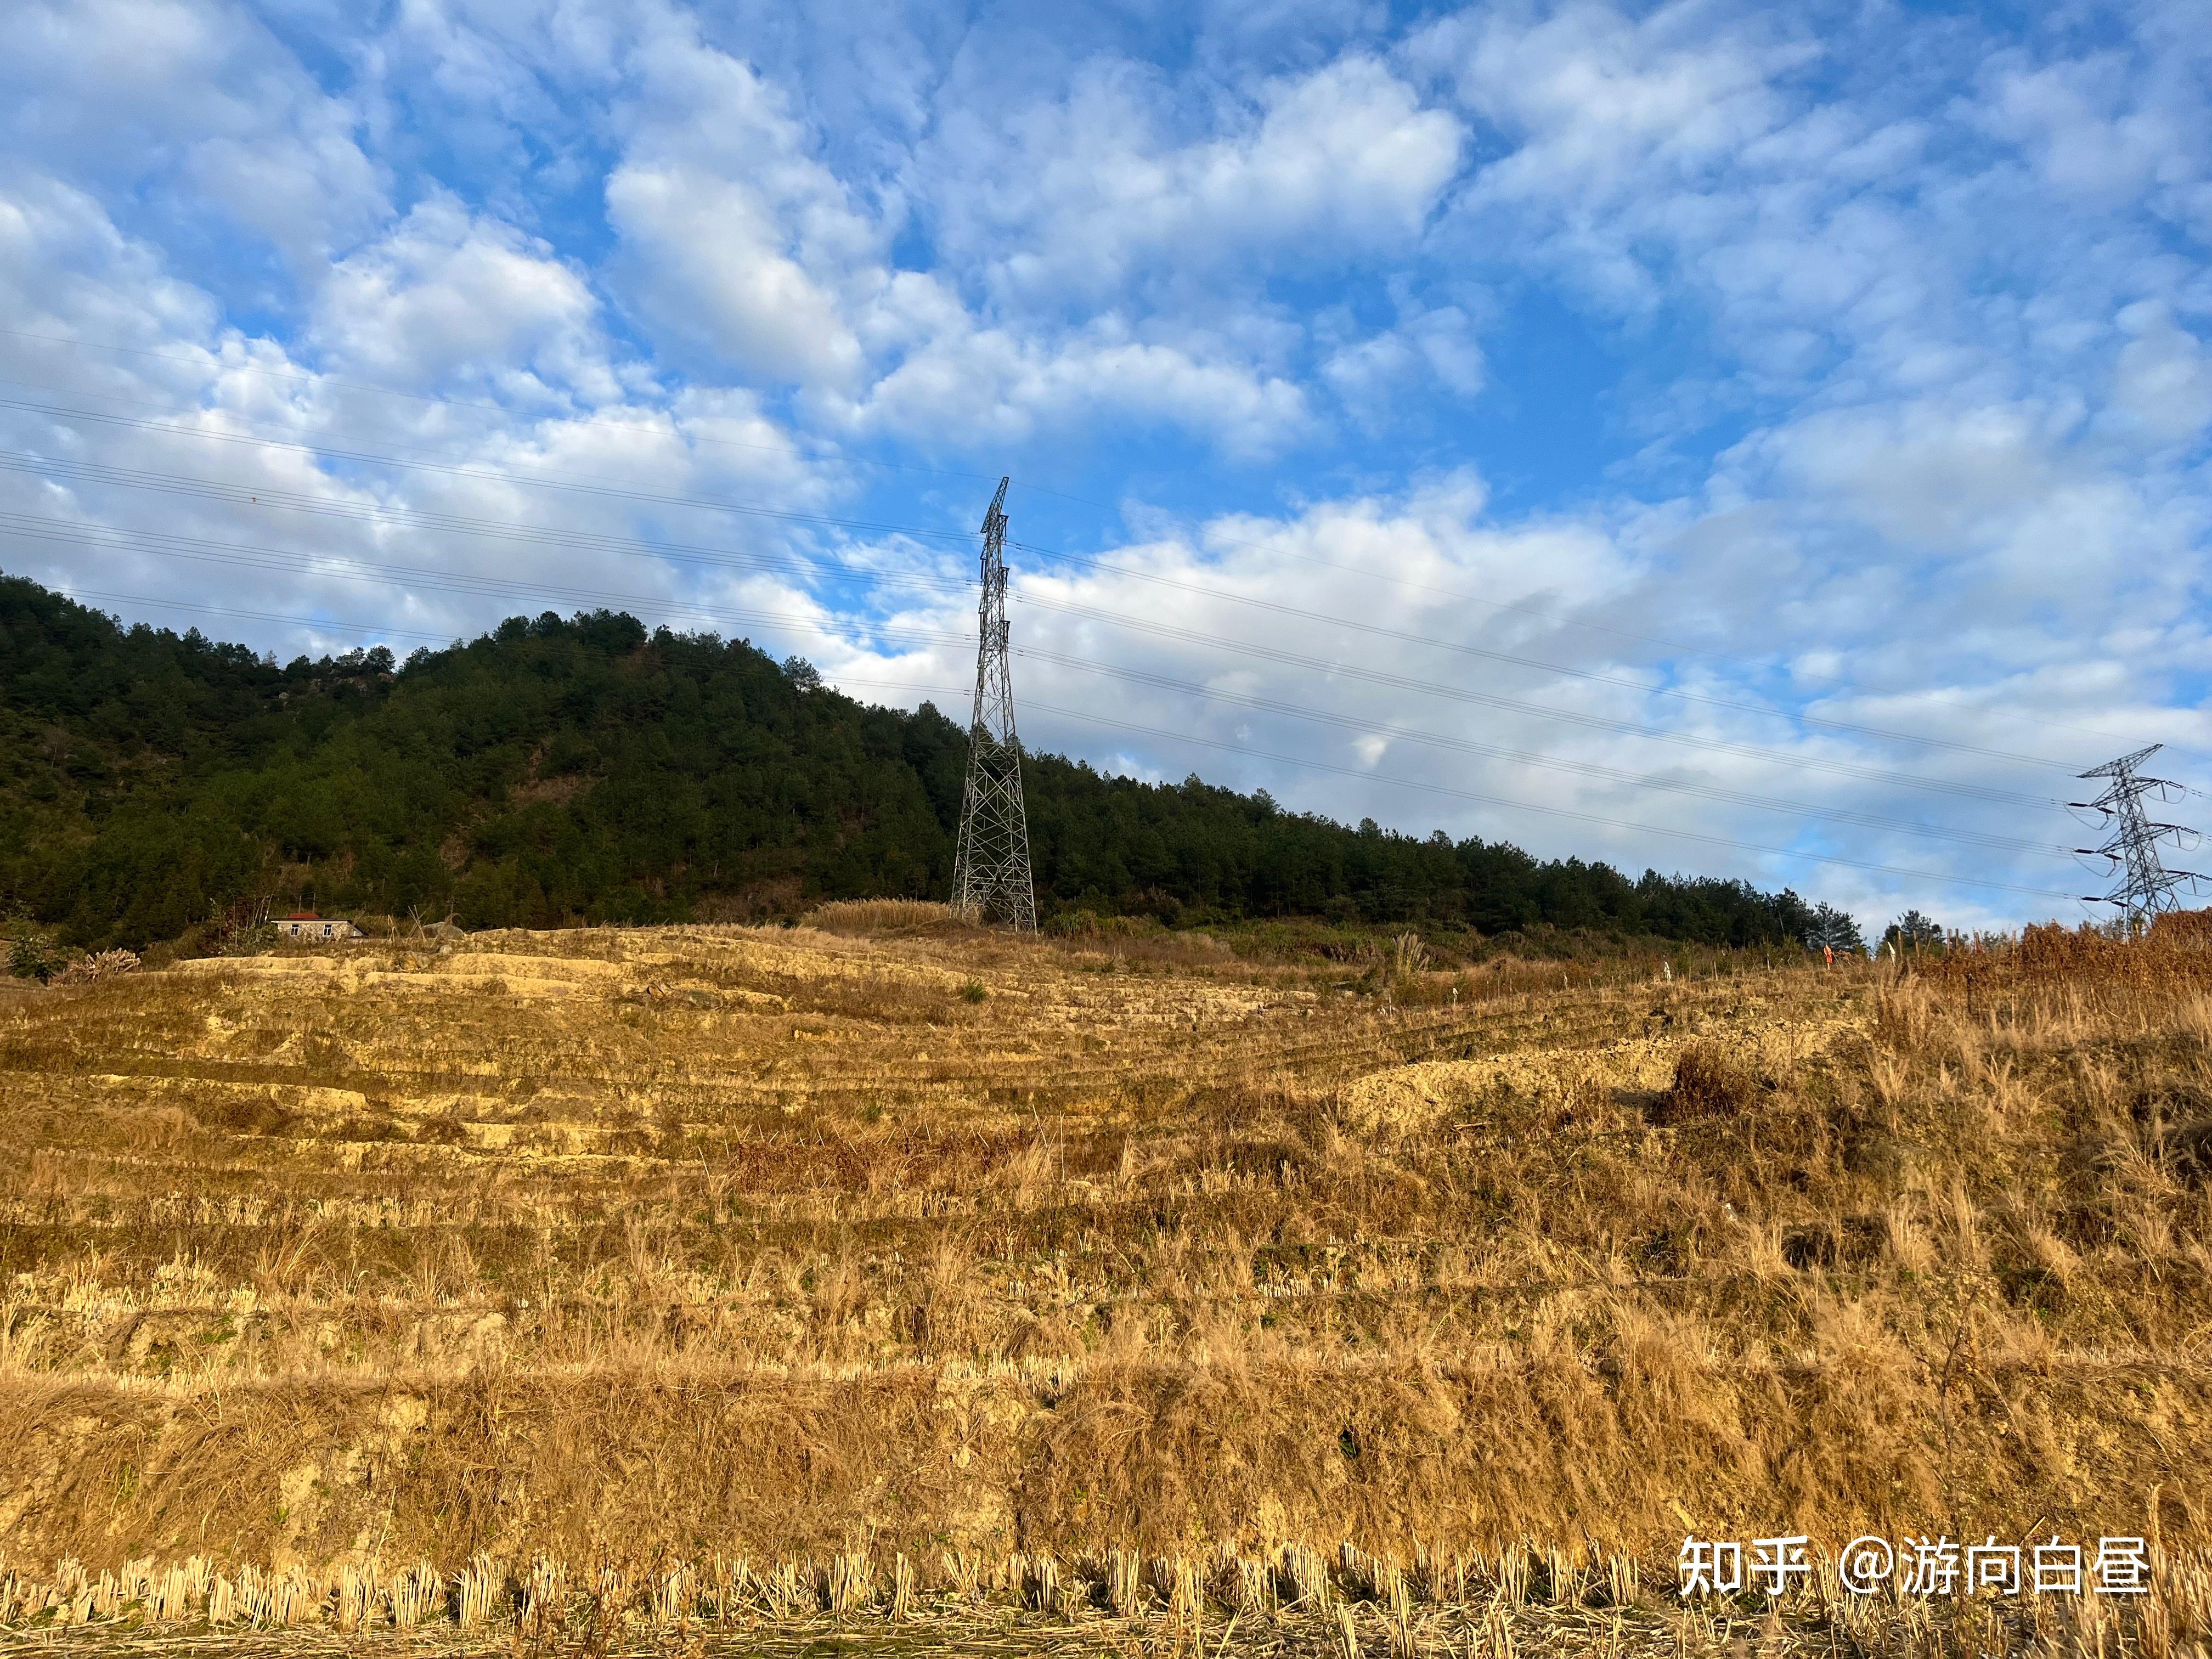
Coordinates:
(748, 1286)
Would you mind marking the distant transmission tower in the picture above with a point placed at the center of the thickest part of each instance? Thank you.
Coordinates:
(2146, 887)
(991, 871)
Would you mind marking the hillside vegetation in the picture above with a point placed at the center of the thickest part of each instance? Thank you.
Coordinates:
(557, 772)
(881, 1267)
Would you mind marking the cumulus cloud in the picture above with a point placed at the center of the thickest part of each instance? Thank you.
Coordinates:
(1080, 196)
(1861, 403)
(447, 295)
(2163, 377)
(713, 266)
(1457, 662)
(156, 452)
(737, 238)
(1438, 347)
(67, 268)
(195, 110)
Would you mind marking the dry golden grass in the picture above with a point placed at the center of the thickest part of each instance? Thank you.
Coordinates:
(631, 1247)
(886, 917)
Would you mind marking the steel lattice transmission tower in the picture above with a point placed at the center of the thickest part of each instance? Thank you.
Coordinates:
(2145, 886)
(991, 871)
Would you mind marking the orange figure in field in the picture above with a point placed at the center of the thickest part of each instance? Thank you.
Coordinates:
(1828, 953)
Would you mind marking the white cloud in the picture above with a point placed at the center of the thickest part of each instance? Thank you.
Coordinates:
(736, 237)
(2162, 379)
(1613, 129)
(1438, 346)
(995, 384)
(218, 514)
(1914, 311)
(1076, 198)
(1571, 592)
(2092, 140)
(447, 295)
(741, 242)
(713, 263)
(195, 103)
(67, 269)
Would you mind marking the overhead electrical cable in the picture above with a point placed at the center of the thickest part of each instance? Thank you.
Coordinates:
(810, 568)
(323, 505)
(1239, 748)
(1555, 811)
(1077, 558)
(1640, 781)
(466, 583)
(1402, 637)
(1548, 614)
(377, 630)
(390, 576)
(1458, 694)
(568, 541)
(1493, 800)
(725, 505)
(1336, 670)
(1108, 567)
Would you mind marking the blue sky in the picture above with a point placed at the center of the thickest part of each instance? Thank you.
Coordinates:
(1755, 441)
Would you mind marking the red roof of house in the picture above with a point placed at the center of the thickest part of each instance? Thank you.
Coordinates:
(302, 915)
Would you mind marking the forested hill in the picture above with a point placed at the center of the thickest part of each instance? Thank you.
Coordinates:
(581, 768)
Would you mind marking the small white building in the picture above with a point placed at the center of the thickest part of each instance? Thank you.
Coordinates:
(306, 924)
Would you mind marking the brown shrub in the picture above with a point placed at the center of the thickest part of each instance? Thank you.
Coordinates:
(103, 964)
(2172, 960)
(1708, 1082)
(875, 917)
(2183, 928)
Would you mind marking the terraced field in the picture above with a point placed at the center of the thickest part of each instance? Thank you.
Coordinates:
(643, 1250)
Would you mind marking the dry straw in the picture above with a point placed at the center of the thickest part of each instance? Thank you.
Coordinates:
(1172, 1266)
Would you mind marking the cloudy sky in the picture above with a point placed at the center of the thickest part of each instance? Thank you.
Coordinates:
(1751, 441)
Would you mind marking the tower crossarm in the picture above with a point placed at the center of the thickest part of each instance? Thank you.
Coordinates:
(2125, 766)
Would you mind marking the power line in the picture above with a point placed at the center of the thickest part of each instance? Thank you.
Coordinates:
(217, 366)
(376, 512)
(1764, 710)
(477, 586)
(2126, 851)
(721, 505)
(481, 587)
(241, 495)
(1796, 716)
(484, 586)
(1542, 613)
(1217, 642)
(1594, 675)
(1658, 734)
(1527, 757)
(1104, 566)
(1285, 760)
(1492, 800)
(671, 430)
(483, 474)
(374, 630)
